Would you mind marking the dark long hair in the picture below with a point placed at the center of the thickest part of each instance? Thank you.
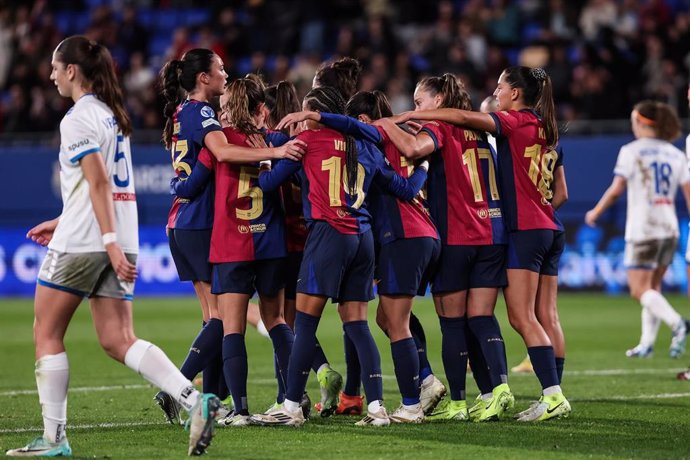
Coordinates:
(328, 99)
(244, 97)
(281, 99)
(343, 75)
(178, 79)
(373, 104)
(661, 117)
(537, 92)
(97, 68)
(453, 91)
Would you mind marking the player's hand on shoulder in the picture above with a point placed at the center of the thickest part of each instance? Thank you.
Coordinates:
(256, 141)
(292, 150)
(297, 117)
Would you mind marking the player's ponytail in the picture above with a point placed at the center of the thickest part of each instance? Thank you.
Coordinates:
(659, 116)
(281, 99)
(327, 99)
(98, 70)
(245, 96)
(452, 91)
(537, 93)
(384, 105)
(178, 78)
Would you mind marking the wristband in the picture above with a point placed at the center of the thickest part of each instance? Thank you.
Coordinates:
(266, 163)
(424, 165)
(110, 237)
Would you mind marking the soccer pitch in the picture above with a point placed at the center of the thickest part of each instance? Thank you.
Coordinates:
(622, 408)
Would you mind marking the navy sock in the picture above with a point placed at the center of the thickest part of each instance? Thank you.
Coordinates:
(352, 367)
(480, 370)
(222, 390)
(319, 357)
(406, 364)
(454, 355)
(302, 355)
(235, 369)
(544, 363)
(205, 347)
(282, 338)
(560, 363)
(488, 334)
(213, 370)
(420, 342)
(369, 358)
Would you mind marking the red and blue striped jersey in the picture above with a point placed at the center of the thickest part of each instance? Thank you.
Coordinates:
(323, 177)
(464, 197)
(392, 217)
(525, 166)
(249, 222)
(191, 122)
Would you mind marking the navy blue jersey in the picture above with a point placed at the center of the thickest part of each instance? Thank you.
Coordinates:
(323, 179)
(192, 121)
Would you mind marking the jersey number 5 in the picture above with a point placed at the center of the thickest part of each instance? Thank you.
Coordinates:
(178, 152)
(337, 176)
(255, 194)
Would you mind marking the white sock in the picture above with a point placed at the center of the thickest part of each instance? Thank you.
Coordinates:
(261, 329)
(374, 406)
(660, 308)
(650, 328)
(150, 361)
(552, 390)
(291, 406)
(487, 396)
(52, 379)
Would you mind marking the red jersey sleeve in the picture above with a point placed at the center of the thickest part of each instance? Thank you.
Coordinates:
(433, 129)
(506, 122)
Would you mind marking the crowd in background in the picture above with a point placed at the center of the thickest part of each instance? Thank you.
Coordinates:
(602, 55)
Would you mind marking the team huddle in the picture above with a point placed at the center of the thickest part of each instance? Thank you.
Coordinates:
(302, 202)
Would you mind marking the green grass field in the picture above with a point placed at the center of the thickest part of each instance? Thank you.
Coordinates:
(622, 408)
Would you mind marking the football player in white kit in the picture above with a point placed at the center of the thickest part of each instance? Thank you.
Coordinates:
(92, 250)
(651, 169)
(685, 375)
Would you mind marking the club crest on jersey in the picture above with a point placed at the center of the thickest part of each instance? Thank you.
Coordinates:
(483, 213)
(207, 112)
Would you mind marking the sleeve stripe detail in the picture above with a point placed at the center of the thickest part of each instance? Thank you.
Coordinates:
(431, 135)
(79, 156)
(497, 120)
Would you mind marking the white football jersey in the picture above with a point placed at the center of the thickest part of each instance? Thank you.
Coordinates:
(89, 127)
(653, 169)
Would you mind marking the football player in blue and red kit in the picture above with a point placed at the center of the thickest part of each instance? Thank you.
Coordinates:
(408, 249)
(188, 86)
(248, 245)
(464, 200)
(533, 187)
(337, 173)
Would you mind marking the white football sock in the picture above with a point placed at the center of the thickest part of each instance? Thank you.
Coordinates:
(660, 308)
(650, 328)
(52, 379)
(150, 361)
(552, 390)
(261, 329)
(374, 406)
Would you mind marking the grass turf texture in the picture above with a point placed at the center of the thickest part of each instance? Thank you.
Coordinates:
(614, 413)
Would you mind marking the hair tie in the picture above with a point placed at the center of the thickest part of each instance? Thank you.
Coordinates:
(538, 73)
(645, 120)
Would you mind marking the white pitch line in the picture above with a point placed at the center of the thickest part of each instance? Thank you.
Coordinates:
(633, 398)
(568, 373)
(85, 427)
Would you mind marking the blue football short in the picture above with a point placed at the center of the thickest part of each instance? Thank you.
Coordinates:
(406, 266)
(536, 250)
(267, 277)
(190, 250)
(468, 267)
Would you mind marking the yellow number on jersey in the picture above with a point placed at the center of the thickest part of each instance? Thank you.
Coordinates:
(336, 176)
(541, 166)
(254, 193)
(469, 159)
(178, 152)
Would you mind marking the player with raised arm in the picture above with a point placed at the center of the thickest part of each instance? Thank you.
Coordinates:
(652, 170)
(396, 223)
(92, 251)
(533, 187)
(465, 202)
(338, 262)
(189, 84)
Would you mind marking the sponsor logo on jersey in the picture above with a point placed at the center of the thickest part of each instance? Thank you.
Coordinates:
(494, 212)
(207, 112)
(341, 213)
(78, 144)
(253, 228)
